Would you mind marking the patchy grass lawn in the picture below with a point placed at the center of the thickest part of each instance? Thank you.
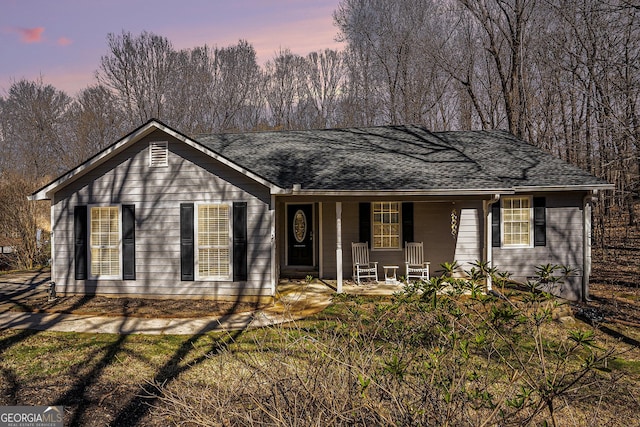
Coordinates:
(350, 360)
(99, 378)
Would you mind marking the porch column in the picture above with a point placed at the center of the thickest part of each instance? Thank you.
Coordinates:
(489, 234)
(339, 246)
(274, 249)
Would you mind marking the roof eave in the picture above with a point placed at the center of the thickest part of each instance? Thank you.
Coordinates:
(446, 192)
(559, 188)
(384, 193)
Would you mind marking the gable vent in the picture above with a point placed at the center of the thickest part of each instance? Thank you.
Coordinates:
(158, 154)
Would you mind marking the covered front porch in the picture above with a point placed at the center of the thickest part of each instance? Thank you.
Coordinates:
(314, 234)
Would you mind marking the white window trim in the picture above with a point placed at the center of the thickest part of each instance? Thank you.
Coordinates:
(531, 224)
(92, 276)
(196, 260)
(158, 150)
(372, 243)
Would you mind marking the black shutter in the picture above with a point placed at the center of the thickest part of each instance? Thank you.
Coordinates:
(129, 242)
(407, 222)
(495, 225)
(80, 237)
(239, 241)
(365, 222)
(186, 242)
(539, 221)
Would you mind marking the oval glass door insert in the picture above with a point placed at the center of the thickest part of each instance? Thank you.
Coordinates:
(299, 226)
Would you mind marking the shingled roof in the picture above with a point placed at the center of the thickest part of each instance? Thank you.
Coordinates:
(376, 159)
(400, 158)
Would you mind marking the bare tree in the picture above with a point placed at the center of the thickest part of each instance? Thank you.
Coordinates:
(324, 82)
(393, 41)
(95, 121)
(238, 80)
(216, 89)
(285, 78)
(22, 222)
(190, 105)
(33, 126)
(504, 35)
(359, 104)
(562, 74)
(593, 55)
(140, 70)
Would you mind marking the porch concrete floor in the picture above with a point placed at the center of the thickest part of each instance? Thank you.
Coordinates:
(328, 287)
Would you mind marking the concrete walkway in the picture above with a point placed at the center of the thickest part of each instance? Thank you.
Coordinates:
(138, 325)
(295, 300)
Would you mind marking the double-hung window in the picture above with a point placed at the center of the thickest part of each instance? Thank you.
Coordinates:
(386, 225)
(213, 241)
(517, 220)
(105, 240)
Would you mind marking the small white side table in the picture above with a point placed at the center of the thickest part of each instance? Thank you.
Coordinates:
(390, 274)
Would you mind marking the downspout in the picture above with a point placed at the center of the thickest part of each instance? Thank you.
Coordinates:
(320, 240)
(52, 243)
(488, 234)
(586, 243)
(339, 247)
(275, 270)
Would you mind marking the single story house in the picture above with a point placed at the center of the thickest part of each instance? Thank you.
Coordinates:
(160, 213)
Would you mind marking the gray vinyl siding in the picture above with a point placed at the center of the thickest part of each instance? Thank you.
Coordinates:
(329, 240)
(470, 236)
(564, 225)
(432, 226)
(191, 177)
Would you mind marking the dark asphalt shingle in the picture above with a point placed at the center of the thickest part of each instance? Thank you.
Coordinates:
(395, 158)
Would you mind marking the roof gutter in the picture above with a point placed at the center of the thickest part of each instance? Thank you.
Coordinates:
(552, 188)
(296, 190)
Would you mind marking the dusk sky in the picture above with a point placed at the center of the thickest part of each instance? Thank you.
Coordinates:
(63, 40)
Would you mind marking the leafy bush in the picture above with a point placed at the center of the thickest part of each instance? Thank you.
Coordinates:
(441, 352)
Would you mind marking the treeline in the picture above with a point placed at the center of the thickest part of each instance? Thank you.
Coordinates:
(562, 74)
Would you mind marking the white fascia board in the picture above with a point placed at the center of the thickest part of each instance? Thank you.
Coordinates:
(46, 192)
(386, 193)
(554, 188)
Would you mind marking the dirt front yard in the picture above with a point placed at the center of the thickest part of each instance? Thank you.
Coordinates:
(615, 279)
(28, 292)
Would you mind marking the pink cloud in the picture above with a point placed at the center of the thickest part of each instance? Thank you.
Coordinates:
(35, 35)
(64, 41)
(30, 35)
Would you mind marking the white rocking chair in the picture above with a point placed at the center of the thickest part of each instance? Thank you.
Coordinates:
(362, 268)
(417, 268)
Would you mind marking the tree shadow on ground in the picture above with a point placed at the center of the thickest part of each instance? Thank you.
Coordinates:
(142, 403)
(77, 396)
